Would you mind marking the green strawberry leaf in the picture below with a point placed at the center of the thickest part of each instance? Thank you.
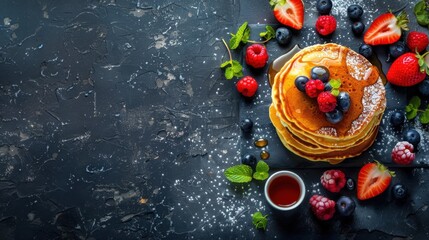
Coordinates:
(259, 221)
(239, 173)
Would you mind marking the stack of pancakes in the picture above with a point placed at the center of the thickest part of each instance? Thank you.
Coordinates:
(303, 128)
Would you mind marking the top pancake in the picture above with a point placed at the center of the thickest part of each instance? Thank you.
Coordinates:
(358, 77)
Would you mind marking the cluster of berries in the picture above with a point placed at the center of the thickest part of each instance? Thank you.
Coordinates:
(403, 151)
(256, 57)
(325, 208)
(373, 179)
(330, 100)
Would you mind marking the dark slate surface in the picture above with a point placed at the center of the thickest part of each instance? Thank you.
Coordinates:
(117, 123)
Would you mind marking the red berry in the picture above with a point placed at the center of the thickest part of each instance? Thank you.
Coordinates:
(326, 24)
(333, 180)
(247, 86)
(403, 153)
(326, 101)
(322, 207)
(417, 41)
(314, 87)
(256, 55)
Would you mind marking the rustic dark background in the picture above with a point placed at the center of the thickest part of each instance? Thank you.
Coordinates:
(117, 123)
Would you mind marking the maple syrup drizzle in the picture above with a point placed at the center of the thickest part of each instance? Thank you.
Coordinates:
(264, 155)
(260, 143)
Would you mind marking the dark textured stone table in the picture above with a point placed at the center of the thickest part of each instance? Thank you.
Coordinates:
(117, 123)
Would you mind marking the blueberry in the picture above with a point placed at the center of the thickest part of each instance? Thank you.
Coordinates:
(246, 125)
(345, 206)
(397, 49)
(358, 28)
(335, 116)
(424, 87)
(412, 136)
(324, 6)
(320, 72)
(248, 159)
(300, 82)
(354, 12)
(397, 118)
(343, 101)
(283, 35)
(365, 50)
(399, 191)
(328, 87)
(350, 184)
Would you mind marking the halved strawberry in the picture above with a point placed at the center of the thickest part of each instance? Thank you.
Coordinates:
(386, 29)
(289, 12)
(373, 179)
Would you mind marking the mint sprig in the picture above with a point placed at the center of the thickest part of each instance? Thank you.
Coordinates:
(232, 67)
(261, 172)
(269, 34)
(259, 221)
(242, 35)
(335, 84)
(421, 11)
(243, 173)
(413, 109)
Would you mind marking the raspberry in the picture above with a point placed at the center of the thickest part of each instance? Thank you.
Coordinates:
(417, 41)
(326, 25)
(326, 101)
(333, 180)
(322, 207)
(403, 153)
(247, 86)
(314, 87)
(256, 55)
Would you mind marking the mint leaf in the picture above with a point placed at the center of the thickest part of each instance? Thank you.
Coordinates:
(224, 64)
(236, 66)
(412, 108)
(239, 173)
(261, 176)
(335, 83)
(261, 172)
(243, 32)
(335, 92)
(262, 166)
(421, 12)
(259, 221)
(269, 34)
(424, 117)
(229, 73)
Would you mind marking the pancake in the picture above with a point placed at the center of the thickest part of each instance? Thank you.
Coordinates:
(303, 128)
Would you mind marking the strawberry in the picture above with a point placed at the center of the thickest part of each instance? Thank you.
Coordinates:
(373, 179)
(289, 12)
(386, 29)
(407, 70)
(417, 41)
